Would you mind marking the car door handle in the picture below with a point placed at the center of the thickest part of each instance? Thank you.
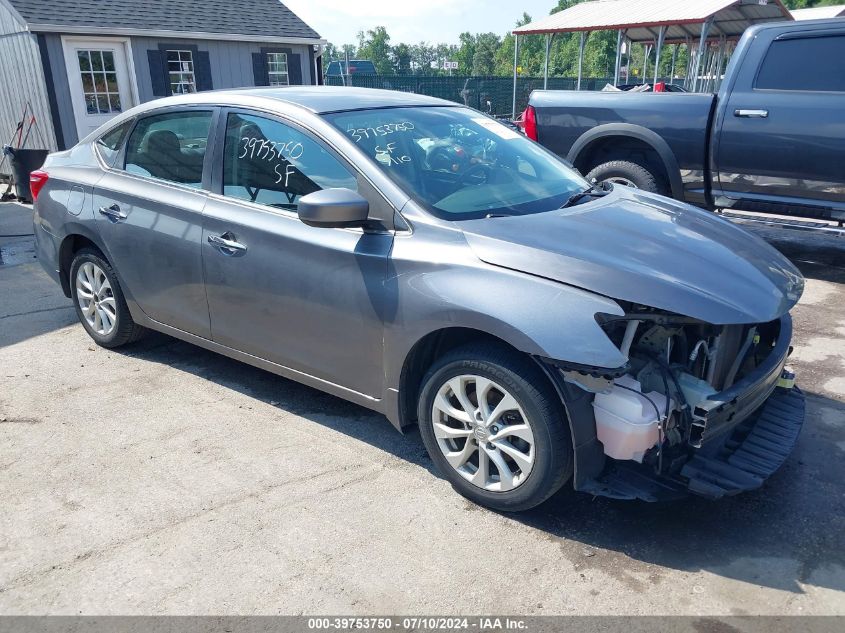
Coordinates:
(752, 114)
(113, 213)
(227, 245)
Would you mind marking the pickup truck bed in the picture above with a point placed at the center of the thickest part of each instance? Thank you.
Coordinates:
(593, 128)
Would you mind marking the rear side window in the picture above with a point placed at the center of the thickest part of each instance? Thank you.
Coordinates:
(268, 162)
(808, 64)
(109, 144)
(356, 66)
(362, 67)
(170, 147)
(334, 69)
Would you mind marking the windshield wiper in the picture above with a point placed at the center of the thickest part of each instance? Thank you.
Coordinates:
(595, 190)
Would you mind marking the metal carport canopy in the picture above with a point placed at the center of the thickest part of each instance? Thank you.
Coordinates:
(640, 18)
(658, 21)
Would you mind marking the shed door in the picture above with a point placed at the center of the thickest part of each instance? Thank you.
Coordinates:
(99, 79)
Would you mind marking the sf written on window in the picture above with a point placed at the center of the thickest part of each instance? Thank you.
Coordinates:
(270, 163)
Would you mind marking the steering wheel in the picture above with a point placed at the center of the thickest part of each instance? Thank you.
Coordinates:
(439, 157)
(479, 173)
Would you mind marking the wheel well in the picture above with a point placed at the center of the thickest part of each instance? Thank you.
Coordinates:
(610, 148)
(425, 353)
(71, 245)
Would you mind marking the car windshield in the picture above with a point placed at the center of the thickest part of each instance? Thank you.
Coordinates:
(460, 164)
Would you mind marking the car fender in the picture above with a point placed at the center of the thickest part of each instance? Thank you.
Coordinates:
(72, 229)
(536, 316)
(629, 130)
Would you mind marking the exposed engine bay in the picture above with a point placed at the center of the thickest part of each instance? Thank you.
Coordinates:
(687, 385)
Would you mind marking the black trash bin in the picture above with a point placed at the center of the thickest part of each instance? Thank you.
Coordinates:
(24, 162)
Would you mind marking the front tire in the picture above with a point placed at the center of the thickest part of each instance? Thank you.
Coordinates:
(99, 301)
(495, 428)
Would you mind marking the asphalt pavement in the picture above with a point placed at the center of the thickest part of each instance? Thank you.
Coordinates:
(165, 479)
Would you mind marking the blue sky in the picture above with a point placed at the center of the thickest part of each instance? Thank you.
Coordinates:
(412, 21)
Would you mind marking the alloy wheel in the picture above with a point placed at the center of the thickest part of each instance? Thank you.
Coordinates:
(96, 298)
(620, 180)
(483, 433)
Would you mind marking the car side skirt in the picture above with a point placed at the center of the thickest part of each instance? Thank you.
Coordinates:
(340, 391)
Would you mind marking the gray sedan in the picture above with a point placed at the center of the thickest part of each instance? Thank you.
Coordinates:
(425, 261)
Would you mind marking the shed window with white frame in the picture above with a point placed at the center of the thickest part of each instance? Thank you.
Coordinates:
(277, 69)
(180, 68)
(99, 81)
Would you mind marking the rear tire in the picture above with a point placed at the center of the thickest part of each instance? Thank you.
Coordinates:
(510, 450)
(99, 301)
(623, 172)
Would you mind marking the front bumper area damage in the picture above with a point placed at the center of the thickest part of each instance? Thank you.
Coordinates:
(750, 454)
(725, 411)
(753, 452)
(720, 412)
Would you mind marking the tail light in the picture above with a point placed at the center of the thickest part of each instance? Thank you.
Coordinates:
(37, 180)
(529, 123)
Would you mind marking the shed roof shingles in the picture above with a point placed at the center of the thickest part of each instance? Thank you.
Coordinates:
(241, 17)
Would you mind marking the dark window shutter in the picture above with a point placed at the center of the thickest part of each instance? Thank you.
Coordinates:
(202, 69)
(320, 70)
(158, 73)
(259, 69)
(294, 70)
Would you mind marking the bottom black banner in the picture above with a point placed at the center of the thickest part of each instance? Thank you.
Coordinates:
(517, 624)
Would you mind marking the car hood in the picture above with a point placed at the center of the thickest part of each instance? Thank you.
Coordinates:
(646, 249)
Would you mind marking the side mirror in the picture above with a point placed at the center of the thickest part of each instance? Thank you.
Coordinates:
(334, 208)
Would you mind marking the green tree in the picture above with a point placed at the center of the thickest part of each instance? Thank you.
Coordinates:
(330, 53)
(492, 54)
(484, 60)
(423, 55)
(531, 53)
(333, 52)
(402, 59)
(599, 51)
(466, 53)
(809, 4)
(375, 46)
(563, 5)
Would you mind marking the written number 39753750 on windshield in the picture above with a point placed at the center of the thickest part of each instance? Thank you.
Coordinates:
(360, 133)
(264, 149)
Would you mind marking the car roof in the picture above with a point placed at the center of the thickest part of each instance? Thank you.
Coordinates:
(317, 99)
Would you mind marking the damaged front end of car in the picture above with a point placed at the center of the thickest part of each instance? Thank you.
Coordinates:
(698, 408)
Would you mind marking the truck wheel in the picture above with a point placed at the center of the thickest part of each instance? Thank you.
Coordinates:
(623, 172)
(495, 428)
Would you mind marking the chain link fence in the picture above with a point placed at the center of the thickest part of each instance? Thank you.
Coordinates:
(487, 94)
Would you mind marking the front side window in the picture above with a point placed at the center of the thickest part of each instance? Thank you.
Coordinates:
(277, 69)
(180, 70)
(108, 145)
(268, 162)
(787, 65)
(170, 147)
(460, 164)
